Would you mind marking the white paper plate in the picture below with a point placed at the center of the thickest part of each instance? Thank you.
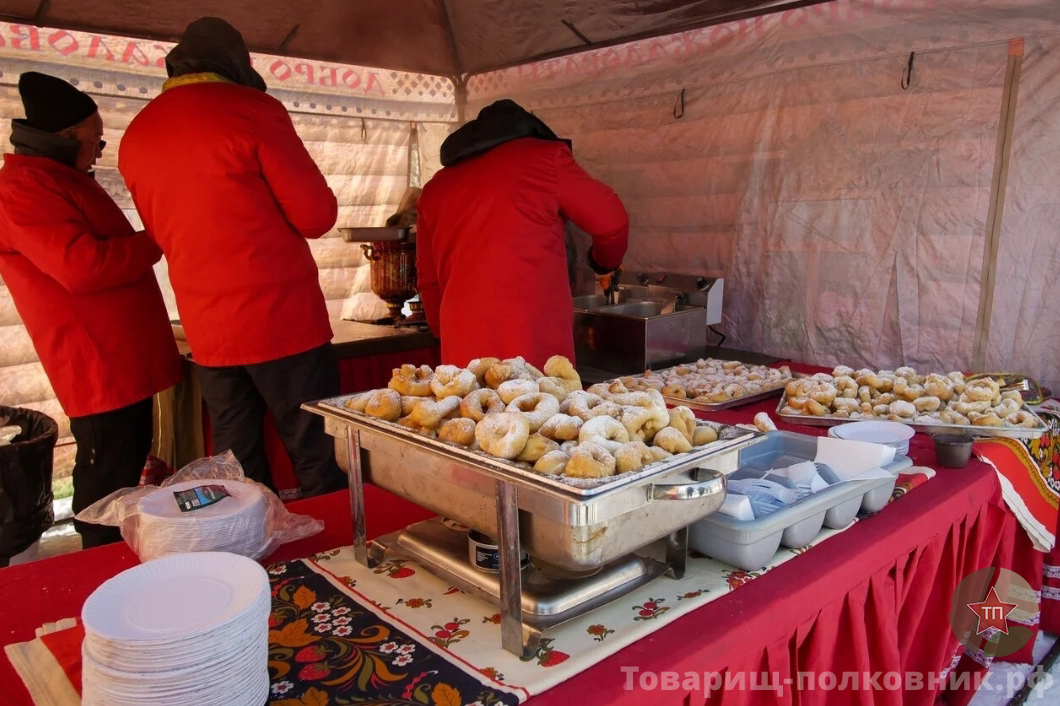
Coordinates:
(893, 434)
(175, 597)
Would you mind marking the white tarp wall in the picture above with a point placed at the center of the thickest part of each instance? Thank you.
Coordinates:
(356, 122)
(852, 218)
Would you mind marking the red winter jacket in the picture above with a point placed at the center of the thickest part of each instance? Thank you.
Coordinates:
(490, 253)
(82, 282)
(224, 184)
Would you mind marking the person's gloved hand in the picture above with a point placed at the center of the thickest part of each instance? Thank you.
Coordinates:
(605, 280)
(604, 275)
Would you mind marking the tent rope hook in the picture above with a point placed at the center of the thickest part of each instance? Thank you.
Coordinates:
(907, 75)
(679, 106)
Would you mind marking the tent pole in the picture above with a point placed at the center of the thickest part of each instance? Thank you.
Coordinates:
(460, 98)
(1009, 96)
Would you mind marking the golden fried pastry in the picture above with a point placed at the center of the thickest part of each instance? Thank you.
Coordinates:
(559, 367)
(672, 440)
(683, 420)
(705, 434)
(632, 457)
(359, 401)
(553, 463)
(590, 460)
(553, 386)
(410, 380)
(429, 413)
(536, 447)
(384, 404)
(459, 431)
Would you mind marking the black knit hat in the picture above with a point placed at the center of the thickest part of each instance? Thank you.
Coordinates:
(209, 44)
(52, 104)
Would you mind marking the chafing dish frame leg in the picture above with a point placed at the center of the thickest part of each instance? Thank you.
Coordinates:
(677, 552)
(516, 637)
(360, 532)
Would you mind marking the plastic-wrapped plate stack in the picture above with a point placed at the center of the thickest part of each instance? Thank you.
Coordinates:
(234, 524)
(187, 629)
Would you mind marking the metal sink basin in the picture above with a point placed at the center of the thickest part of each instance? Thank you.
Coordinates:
(645, 309)
(625, 294)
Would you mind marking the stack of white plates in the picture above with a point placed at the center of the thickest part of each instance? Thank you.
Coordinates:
(187, 629)
(234, 524)
(893, 434)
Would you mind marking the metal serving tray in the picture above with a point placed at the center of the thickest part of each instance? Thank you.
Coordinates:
(970, 429)
(576, 528)
(728, 404)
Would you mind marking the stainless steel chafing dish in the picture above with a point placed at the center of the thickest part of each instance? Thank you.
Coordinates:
(578, 529)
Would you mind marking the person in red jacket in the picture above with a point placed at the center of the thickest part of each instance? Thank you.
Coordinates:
(227, 189)
(82, 281)
(491, 258)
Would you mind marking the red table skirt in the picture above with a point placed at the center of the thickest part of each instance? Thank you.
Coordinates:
(355, 375)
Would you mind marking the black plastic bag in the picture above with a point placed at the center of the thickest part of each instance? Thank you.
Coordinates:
(25, 480)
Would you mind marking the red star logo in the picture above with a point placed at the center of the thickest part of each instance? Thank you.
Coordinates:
(992, 613)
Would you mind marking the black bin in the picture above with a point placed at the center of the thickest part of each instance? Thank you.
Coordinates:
(25, 480)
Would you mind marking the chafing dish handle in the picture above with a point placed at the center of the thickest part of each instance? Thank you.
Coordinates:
(708, 482)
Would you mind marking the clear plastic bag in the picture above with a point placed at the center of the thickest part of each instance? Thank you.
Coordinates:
(149, 539)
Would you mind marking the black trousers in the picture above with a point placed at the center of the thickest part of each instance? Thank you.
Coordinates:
(238, 396)
(112, 449)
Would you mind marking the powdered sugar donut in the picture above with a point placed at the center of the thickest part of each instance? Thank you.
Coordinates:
(536, 447)
(559, 367)
(683, 420)
(553, 386)
(410, 380)
(359, 401)
(561, 427)
(580, 404)
(384, 404)
(459, 431)
(479, 366)
(478, 403)
(590, 460)
(503, 434)
(538, 408)
(673, 440)
(603, 429)
(429, 413)
(450, 380)
(553, 463)
(632, 457)
(510, 389)
(643, 423)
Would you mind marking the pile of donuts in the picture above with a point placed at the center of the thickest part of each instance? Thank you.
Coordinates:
(711, 381)
(904, 395)
(537, 419)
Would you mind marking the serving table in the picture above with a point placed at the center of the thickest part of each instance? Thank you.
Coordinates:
(872, 599)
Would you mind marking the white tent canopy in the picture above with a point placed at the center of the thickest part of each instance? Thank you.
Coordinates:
(861, 213)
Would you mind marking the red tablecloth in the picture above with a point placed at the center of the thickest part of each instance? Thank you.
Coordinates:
(51, 589)
(873, 599)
